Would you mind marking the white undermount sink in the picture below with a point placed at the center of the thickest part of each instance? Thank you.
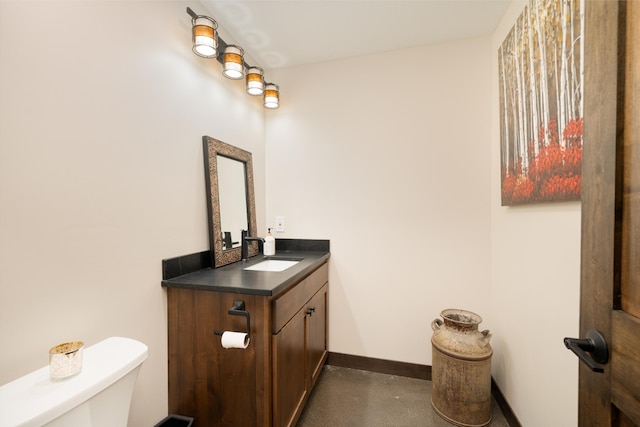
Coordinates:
(273, 265)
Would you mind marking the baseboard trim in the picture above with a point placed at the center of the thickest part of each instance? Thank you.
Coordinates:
(381, 366)
(411, 370)
(511, 418)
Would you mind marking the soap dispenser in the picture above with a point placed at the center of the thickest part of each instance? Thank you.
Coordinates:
(269, 244)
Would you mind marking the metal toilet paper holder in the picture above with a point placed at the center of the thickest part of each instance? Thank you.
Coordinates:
(238, 309)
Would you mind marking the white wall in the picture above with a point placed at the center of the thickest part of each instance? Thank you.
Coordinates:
(102, 110)
(401, 172)
(388, 156)
(535, 290)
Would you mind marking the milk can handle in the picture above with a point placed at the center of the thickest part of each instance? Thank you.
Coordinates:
(436, 324)
(484, 341)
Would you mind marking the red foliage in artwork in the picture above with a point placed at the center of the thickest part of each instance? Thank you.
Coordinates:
(553, 170)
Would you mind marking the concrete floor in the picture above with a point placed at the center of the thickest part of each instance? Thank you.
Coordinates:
(355, 398)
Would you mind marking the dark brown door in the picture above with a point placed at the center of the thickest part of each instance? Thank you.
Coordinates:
(316, 334)
(610, 259)
(289, 375)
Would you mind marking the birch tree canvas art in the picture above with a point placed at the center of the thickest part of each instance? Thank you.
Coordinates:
(540, 88)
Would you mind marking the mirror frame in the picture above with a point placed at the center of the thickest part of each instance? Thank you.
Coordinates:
(212, 149)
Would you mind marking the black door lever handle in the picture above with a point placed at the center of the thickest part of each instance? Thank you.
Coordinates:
(595, 345)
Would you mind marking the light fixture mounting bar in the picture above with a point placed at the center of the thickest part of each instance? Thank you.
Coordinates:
(192, 13)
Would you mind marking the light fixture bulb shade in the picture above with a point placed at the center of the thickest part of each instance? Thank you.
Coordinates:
(205, 36)
(271, 95)
(255, 81)
(233, 62)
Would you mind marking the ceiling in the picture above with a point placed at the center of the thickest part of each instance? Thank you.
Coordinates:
(286, 33)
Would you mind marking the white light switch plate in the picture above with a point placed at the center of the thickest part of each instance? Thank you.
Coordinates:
(280, 224)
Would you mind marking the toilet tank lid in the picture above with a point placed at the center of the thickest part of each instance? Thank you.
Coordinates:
(35, 399)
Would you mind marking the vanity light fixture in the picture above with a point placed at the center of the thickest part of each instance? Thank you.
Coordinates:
(205, 35)
(271, 95)
(255, 81)
(233, 62)
(206, 44)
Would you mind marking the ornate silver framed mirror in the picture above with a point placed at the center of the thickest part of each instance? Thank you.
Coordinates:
(230, 200)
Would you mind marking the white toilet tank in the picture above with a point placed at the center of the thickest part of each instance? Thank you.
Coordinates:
(99, 396)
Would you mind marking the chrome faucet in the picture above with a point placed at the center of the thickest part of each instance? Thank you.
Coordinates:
(244, 245)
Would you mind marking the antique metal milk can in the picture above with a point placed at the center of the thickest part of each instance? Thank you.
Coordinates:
(461, 369)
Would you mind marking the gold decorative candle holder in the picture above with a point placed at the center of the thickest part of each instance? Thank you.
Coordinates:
(65, 359)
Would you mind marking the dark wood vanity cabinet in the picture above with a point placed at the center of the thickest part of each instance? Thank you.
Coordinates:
(299, 350)
(266, 384)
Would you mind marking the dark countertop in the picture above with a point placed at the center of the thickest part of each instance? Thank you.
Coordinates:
(233, 278)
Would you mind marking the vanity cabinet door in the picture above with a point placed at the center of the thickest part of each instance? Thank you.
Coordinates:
(316, 319)
(289, 371)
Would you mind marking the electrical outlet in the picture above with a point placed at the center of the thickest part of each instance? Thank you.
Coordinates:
(280, 224)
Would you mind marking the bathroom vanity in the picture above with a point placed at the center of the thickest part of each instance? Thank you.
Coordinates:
(268, 383)
(234, 291)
